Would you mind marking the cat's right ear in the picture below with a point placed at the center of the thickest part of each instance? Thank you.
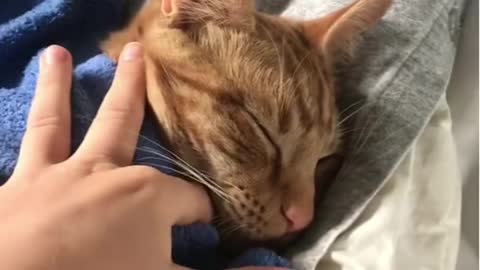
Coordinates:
(336, 35)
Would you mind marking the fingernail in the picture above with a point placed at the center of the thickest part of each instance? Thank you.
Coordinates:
(55, 54)
(133, 51)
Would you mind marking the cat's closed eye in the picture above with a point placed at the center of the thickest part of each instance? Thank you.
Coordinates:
(325, 173)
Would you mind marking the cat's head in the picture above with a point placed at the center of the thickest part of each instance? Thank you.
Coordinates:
(247, 101)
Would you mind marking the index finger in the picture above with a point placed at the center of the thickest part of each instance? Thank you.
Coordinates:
(47, 135)
(114, 132)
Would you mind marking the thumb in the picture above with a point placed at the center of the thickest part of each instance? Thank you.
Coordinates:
(184, 202)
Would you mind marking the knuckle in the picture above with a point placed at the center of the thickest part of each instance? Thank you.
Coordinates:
(42, 121)
(92, 163)
(145, 177)
(146, 173)
(116, 113)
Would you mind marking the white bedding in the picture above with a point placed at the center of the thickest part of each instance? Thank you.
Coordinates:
(414, 221)
(463, 100)
(406, 226)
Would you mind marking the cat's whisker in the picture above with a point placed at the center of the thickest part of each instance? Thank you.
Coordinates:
(370, 129)
(355, 158)
(163, 167)
(345, 170)
(339, 124)
(217, 219)
(209, 183)
(343, 132)
(349, 107)
(385, 138)
(204, 175)
(189, 175)
(184, 174)
(173, 154)
(239, 227)
(360, 136)
(192, 174)
(218, 192)
(232, 185)
(234, 228)
(154, 151)
(181, 160)
(223, 224)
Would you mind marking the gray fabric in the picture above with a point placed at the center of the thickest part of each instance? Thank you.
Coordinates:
(401, 72)
(272, 6)
(400, 75)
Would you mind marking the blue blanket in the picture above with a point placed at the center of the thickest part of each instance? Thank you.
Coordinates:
(26, 28)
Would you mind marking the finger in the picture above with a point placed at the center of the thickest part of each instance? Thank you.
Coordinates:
(179, 202)
(114, 132)
(47, 136)
(191, 201)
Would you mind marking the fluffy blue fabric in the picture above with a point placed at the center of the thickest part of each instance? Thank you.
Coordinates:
(26, 28)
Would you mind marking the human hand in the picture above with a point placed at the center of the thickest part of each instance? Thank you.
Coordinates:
(91, 210)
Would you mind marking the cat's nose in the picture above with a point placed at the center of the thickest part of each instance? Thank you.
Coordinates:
(298, 218)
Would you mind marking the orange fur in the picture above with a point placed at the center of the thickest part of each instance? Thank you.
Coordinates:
(247, 98)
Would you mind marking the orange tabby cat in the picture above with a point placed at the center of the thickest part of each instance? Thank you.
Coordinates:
(248, 101)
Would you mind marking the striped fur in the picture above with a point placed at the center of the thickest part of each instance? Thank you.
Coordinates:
(245, 98)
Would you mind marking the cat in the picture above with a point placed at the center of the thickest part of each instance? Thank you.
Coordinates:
(247, 102)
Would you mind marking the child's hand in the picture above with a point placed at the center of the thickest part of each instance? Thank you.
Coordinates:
(91, 210)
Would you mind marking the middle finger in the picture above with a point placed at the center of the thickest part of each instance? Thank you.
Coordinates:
(114, 132)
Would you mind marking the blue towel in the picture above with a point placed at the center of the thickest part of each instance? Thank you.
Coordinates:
(26, 28)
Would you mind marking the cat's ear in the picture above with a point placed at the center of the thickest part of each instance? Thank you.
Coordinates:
(113, 46)
(234, 13)
(336, 34)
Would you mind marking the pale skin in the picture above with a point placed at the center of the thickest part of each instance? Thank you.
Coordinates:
(92, 209)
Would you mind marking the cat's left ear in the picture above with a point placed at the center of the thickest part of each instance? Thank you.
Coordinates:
(234, 13)
(113, 46)
(336, 34)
